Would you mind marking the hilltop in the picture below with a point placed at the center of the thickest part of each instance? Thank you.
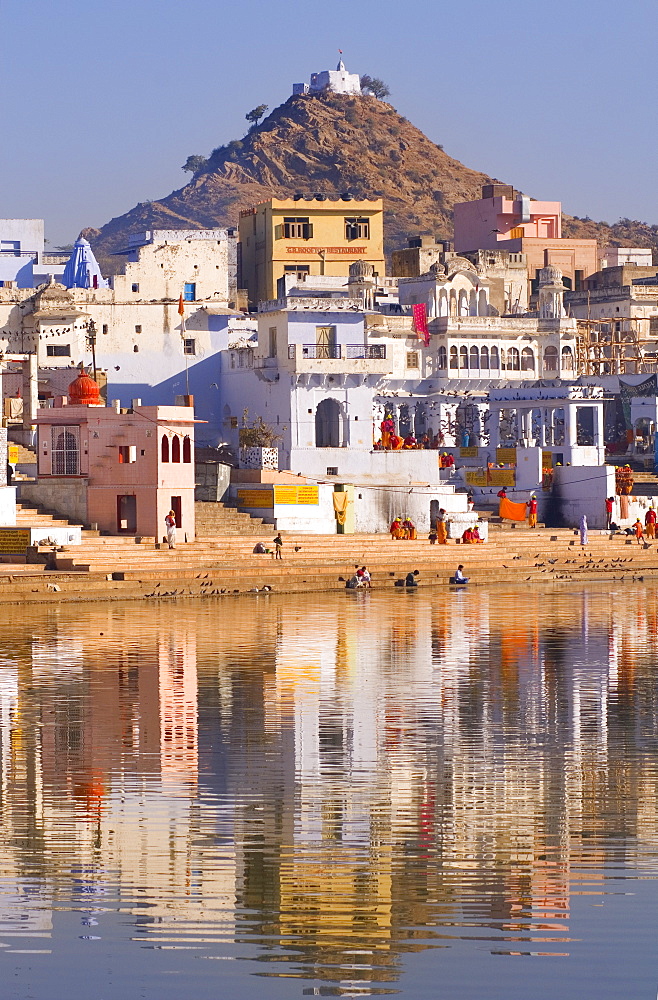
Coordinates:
(328, 144)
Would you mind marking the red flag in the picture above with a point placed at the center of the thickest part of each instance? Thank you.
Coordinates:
(181, 306)
(419, 312)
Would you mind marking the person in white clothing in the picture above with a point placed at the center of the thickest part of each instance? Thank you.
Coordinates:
(170, 521)
(459, 576)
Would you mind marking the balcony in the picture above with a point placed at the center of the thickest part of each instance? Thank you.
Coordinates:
(339, 358)
(334, 352)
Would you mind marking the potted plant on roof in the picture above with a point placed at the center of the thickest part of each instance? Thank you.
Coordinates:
(258, 441)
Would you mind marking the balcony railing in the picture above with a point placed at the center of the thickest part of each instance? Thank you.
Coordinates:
(336, 352)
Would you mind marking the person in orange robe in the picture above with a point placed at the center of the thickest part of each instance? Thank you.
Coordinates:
(467, 537)
(410, 528)
(395, 442)
(441, 528)
(639, 532)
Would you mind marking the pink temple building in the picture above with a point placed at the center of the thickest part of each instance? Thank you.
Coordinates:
(503, 219)
(121, 470)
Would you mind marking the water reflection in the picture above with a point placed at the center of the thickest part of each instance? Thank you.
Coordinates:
(328, 787)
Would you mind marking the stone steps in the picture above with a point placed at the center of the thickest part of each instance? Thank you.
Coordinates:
(32, 515)
(532, 554)
(216, 518)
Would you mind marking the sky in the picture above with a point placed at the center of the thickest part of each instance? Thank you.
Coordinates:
(103, 100)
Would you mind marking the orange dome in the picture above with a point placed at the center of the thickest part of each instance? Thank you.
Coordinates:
(84, 391)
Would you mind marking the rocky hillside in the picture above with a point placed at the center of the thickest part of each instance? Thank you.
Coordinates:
(329, 144)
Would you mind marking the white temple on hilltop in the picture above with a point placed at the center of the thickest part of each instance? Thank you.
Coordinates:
(338, 81)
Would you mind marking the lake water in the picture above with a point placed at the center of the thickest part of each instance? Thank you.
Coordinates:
(432, 794)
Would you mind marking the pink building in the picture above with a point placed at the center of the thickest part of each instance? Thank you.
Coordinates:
(122, 470)
(503, 219)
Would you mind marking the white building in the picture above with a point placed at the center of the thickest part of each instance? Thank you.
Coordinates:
(137, 332)
(618, 256)
(327, 370)
(23, 262)
(338, 81)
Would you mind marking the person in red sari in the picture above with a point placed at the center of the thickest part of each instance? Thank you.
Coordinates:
(409, 441)
(467, 537)
(395, 442)
(650, 523)
(531, 504)
(475, 535)
(387, 428)
(396, 528)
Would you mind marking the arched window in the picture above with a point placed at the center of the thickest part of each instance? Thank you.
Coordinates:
(484, 359)
(567, 359)
(187, 449)
(443, 304)
(442, 358)
(175, 449)
(453, 302)
(473, 303)
(454, 362)
(483, 305)
(550, 359)
(474, 363)
(503, 359)
(164, 448)
(527, 360)
(463, 304)
(463, 356)
(494, 360)
(65, 452)
(328, 424)
(513, 361)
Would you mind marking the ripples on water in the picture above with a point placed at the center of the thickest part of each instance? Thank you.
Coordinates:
(434, 795)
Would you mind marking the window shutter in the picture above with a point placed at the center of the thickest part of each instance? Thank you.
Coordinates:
(278, 232)
(307, 230)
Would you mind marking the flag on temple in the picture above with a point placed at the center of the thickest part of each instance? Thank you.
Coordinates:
(510, 510)
(419, 312)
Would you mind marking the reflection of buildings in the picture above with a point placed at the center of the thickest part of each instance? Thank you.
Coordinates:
(100, 760)
(423, 758)
(368, 772)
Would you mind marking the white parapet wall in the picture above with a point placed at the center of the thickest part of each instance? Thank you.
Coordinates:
(351, 464)
(7, 505)
(375, 507)
(581, 489)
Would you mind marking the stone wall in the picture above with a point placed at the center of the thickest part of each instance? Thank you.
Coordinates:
(212, 481)
(66, 496)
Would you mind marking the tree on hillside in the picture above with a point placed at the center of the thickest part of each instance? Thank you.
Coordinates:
(373, 85)
(255, 115)
(194, 163)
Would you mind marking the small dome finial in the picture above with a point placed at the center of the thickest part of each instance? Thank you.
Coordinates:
(84, 390)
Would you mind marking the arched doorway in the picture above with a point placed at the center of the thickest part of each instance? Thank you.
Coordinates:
(327, 424)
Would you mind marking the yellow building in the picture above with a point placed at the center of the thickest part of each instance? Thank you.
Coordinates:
(307, 236)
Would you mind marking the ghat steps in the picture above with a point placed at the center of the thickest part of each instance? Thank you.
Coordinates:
(320, 561)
